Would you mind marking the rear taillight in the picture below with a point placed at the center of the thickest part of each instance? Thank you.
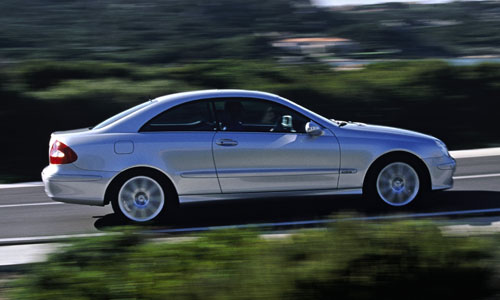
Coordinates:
(61, 154)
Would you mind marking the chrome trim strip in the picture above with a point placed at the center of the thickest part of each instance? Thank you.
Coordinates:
(199, 174)
(241, 196)
(93, 202)
(73, 178)
(273, 172)
(348, 171)
(447, 166)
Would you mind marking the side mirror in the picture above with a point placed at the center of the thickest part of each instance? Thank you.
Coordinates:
(313, 129)
(286, 122)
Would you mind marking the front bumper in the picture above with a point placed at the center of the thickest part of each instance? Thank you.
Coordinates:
(441, 170)
(67, 183)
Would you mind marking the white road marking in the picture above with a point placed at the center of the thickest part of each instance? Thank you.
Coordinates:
(468, 229)
(26, 254)
(38, 239)
(20, 185)
(29, 204)
(476, 176)
(475, 153)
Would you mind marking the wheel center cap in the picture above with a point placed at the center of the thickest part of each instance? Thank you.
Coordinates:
(398, 184)
(141, 199)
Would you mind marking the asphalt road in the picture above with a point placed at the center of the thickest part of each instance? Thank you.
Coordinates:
(28, 212)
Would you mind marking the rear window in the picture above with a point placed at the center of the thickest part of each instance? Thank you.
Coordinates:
(191, 116)
(123, 114)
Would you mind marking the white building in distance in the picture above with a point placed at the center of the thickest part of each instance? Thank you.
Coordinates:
(312, 45)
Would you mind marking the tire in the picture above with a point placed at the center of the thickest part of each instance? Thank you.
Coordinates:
(396, 182)
(144, 196)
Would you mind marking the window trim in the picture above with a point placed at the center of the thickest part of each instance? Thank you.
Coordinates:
(215, 117)
(257, 100)
(210, 112)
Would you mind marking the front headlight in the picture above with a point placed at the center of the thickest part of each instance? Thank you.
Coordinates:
(442, 147)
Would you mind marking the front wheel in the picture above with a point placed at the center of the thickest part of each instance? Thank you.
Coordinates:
(395, 182)
(142, 198)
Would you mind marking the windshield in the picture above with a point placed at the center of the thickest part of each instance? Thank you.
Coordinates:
(122, 115)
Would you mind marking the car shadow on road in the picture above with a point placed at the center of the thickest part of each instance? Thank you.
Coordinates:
(257, 211)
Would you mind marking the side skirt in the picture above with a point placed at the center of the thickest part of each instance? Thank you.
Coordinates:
(238, 196)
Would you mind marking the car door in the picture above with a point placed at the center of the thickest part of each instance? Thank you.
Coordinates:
(179, 141)
(262, 146)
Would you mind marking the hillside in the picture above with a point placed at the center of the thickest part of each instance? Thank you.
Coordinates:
(155, 31)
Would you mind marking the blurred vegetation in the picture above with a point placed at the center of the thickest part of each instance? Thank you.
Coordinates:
(458, 28)
(455, 104)
(397, 260)
(155, 31)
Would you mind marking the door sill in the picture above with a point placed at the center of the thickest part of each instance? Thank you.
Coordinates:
(255, 195)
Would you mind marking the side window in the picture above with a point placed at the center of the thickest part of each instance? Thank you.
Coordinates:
(253, 115)
(192, 116)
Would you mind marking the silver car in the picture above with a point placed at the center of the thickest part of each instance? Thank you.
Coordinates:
(234, 144)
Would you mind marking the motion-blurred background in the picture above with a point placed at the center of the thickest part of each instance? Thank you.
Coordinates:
(431, 67)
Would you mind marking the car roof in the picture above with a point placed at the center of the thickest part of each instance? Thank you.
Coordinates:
(216, 94)
(134, 121)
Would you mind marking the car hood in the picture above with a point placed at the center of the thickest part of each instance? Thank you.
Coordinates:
(384, 130)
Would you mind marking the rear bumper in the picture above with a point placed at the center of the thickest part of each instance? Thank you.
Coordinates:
(441, 170)
(67, 183)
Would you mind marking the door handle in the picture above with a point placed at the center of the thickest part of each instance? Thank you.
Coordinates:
(226, 142)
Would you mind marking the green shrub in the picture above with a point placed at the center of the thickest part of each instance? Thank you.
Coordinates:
(410, 260)
(44, 74)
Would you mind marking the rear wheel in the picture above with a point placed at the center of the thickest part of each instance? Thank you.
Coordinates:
(397, 182)
(143, 197)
